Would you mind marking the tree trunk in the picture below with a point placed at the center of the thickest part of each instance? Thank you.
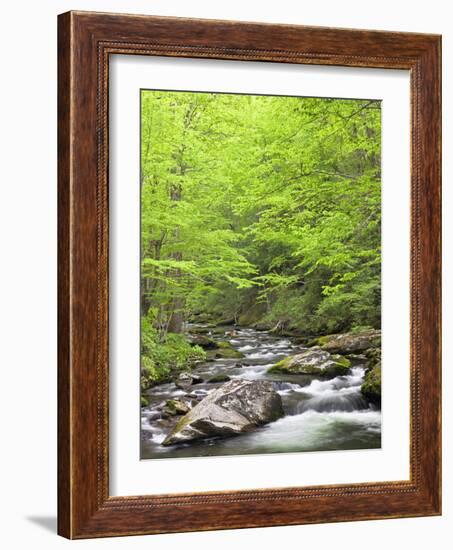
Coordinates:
(177, 317)
(176, 321)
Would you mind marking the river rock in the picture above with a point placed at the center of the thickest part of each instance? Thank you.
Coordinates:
(352, 342)
(203, 341)
(313, 361)
(186, 379)
(358, 359)
(174, 407)
(235, 407)
(373, 357)
(371, 387)
(226, 322)
(225, 351)
(221, 377)
(144, 400)
(200, 330)
(262, 327)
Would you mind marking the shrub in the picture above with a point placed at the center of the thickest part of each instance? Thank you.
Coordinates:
(163, 357)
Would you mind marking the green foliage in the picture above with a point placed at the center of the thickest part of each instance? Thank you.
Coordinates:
(259, 201)
(163, 357)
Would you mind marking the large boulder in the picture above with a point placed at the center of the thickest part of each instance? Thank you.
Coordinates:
(313, 361)
(235, 407)
(371, 387)
(351, 342)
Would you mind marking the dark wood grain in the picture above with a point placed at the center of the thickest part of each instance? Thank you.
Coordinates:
(85, 42)
(64, 366)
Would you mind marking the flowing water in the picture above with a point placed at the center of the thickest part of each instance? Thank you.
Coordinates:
(320, 415)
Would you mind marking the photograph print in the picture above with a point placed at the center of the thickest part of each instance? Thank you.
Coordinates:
(260, 274)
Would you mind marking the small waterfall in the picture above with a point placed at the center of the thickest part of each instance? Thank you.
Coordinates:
(284, 387)
(339, 401)
(339, 394)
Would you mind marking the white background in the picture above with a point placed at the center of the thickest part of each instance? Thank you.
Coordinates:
(28, 286)
(128, 475)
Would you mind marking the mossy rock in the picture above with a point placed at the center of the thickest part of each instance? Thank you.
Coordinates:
(358, 359)
(341, 360)
(262, 326)
(353, 342)
(319, 340)
(144, 401)
(303, 340)
(224, 350)
(371, 387)
(373, 356)
(221, 377)
(175, 407)
(323, 340)
(285, 366)
(199, 330)
(203, 341)
(314, 362)
(236, 407)
(224, 345)
(225, 353)
(226, 322)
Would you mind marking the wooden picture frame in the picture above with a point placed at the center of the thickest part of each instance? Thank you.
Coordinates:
(85, 42)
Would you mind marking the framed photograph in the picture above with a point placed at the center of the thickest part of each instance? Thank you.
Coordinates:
(249, 275)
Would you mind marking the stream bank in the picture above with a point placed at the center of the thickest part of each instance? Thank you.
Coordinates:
(319, 414)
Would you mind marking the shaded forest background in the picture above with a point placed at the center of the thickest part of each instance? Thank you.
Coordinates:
(257, 210)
